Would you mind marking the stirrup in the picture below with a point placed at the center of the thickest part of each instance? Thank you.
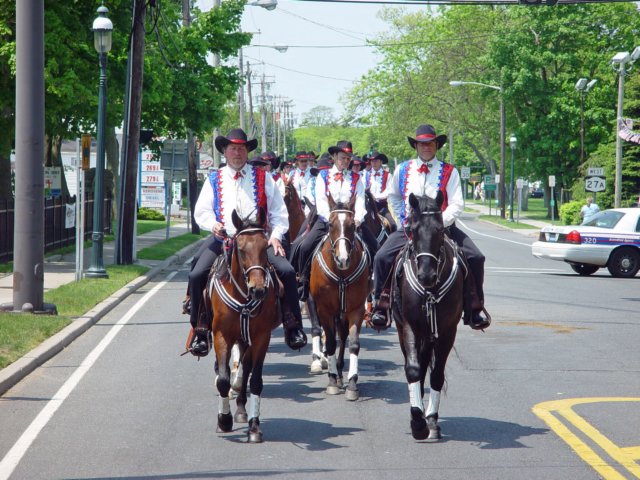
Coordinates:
(484, 324)
(194, 333)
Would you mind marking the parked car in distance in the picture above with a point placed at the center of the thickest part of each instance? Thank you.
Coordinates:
(610, 239)
(536, 193)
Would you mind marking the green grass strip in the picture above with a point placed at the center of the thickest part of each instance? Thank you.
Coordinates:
(165, 249)
(506, 223)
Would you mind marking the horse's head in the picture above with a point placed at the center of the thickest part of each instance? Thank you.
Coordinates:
(250, 245)
(342, 231)
(427, 236)
(291, 197)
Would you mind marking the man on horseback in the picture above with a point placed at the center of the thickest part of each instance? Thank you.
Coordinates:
(300, 176)
(376, 179)
(239, 185)
(413, 176)
(342, 184)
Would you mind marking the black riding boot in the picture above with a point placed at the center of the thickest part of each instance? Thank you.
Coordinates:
(294, 335)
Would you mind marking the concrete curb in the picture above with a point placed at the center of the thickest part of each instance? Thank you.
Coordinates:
(12, 374)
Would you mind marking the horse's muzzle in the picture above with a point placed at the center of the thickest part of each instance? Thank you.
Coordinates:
(257, 293)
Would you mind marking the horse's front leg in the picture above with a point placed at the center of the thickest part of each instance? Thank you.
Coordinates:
(223, 383)
(332, 388)
(413, 371)
(443, 347)
(343, 333)
(259, 352)
(351, 393)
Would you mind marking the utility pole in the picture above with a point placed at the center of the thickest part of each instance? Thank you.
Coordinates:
(251, 119)
(216, 131)
(240, 90)
(263, 117)
(28, 254)
(126, 198)
(192, 168)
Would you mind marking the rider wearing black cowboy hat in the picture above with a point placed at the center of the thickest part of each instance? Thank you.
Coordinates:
(232, 187)
(416, 176)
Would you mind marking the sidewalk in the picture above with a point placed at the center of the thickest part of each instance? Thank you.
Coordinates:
(60, 270)
(483, 209)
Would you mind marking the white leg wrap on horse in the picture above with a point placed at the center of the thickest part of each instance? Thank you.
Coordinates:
(415, 395)
(224, 406)
(434, 402)
(254, 406)
(353, 365)
(333, 367)
(235, 354)
(315, 341)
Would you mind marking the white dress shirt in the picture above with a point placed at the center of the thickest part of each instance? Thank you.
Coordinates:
(238, 194)
(424, 184)
(300, 178)
(341, 191)
(375, 184)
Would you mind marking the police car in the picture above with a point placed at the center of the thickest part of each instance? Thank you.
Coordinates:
(610, 239)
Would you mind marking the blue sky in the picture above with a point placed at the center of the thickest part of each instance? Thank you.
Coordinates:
(311, 76)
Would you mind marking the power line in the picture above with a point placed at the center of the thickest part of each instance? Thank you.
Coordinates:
(301, 73)
(337, 30)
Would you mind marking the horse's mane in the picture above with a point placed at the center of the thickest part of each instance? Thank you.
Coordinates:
(370, 202)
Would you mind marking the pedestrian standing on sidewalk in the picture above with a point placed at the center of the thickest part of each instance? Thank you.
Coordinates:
(589, 210)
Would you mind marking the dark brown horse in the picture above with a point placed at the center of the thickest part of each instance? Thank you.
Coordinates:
(339, 285)
(294, 209)
(427, 303)
(245, 310)
(378, 225)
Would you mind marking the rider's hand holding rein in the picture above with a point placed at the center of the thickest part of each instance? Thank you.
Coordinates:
(218, 231)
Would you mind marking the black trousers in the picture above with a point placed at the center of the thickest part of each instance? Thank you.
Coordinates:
(386, 256)
(303, 247)
(206, 256)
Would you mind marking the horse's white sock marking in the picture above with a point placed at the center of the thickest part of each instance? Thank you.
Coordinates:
(353, 365)
(316, 346)
(235, 354)
(415, 395)
(224, 406)
(333, 368)
(254, 406)
(434, 402)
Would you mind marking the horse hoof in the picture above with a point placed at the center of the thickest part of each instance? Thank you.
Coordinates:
(419, 429)
(225, 423)
(316, 366)
(333, 390)
(434, 433)
(340, 382)
(352, 395)
(324, 362)
(241, 417)
(254, 434)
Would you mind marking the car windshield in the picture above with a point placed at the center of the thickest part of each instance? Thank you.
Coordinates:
(605, 219)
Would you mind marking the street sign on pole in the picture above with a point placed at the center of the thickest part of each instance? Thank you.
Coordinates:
(465, 173)
(552, 181)
(595, 184)
(86, 151)
(595, 172)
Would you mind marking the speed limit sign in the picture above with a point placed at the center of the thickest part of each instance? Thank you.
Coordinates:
(595, 184)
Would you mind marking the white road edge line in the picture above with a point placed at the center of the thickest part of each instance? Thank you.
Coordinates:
(491, 236)
(13, 456)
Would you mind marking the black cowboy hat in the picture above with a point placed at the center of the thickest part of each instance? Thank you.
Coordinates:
(312, 155)
(270, 156)
(258, 161)
(285, 163)
(324, 164)
(342, 146)
(302, 155)
(236, 136)
(426, 134)
(355, 160)
(378, 156)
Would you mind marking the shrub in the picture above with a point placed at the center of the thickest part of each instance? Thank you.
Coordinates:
(570, 213)
(149, 214)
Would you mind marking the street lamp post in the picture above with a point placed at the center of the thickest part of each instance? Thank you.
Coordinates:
(621, 59)
(583, 86)
(457, 83)
(102, 28)
(512, 141)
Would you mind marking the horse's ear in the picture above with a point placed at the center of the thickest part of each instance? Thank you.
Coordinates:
(413, 201)
(439, 199)
(332, 203)
(261, 217)
(235, 218)
(352, 202)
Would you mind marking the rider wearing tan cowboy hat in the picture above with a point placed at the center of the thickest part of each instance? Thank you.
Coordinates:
(415, 176)
(242, 187)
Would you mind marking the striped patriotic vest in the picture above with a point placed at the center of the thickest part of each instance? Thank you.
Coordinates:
(405, 171)
(354, 181)
(259, 192)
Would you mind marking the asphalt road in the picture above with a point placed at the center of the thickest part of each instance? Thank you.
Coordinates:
(133, 408)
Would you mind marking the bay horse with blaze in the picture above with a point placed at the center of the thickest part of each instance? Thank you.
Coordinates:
(244, 305)
(339, 285)
(427, 304)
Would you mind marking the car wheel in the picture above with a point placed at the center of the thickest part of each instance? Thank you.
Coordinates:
(624, 262)
(584, 268)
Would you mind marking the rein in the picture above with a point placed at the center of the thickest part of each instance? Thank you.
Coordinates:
(249, 308)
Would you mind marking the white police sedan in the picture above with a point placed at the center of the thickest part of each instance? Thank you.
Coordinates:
(610, 239)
